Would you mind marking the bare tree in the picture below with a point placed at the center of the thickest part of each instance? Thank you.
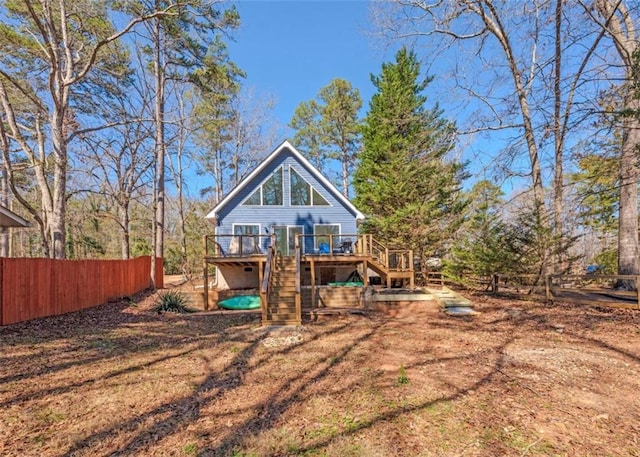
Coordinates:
(177, 167)
(252, 132)
(181, 48)
(619, 22)
(118, 161)
(52, 35)
(534, 65)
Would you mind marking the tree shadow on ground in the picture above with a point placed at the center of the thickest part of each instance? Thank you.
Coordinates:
(163, 338)
(187, 409)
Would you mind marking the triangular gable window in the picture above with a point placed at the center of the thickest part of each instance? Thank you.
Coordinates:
(303, 193)
(269, 193)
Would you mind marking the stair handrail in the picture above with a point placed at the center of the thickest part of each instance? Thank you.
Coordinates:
(298, 250)
(269, 267)
(390, 259)
(379, 252)
(401, 260)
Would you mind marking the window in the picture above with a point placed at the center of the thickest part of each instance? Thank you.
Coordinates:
(318, 200)
(246, 229)
(302, 193)
(245, 240)
(300, 190)
(324, 233)
(272, 189)
(269, 193)
(255, 198)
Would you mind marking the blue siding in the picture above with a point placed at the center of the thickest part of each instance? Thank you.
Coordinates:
(306, 216)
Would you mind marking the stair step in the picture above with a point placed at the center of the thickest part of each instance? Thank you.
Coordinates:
(282, 316)
(282, 292)
(287, 301)
(450, 299)
(282, 308)
(281, 305)
(290, 300)
(285, 288)
(283, 322)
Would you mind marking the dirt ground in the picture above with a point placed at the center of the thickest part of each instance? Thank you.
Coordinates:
(520, 378)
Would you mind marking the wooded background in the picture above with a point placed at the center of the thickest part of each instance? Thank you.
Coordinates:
(109, 107)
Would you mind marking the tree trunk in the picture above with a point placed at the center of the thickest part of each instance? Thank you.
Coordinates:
(558, 180)
(125, 243)
(345, 175)
(620, 26)
(629, 174)
(160, 148)
(4, 201)
(57, 222)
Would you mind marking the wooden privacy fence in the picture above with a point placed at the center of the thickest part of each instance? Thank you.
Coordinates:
(31, 288)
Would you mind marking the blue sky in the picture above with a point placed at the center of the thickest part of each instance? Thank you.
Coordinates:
(291, 49)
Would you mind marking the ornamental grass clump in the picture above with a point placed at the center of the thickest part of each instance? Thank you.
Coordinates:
(172, 302)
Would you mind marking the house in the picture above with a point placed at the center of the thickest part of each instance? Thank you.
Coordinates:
(10, 219)
(284, 231)
(285, 196)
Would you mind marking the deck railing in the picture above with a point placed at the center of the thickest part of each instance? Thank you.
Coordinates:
(237, 245)
(329, 244)
(359, 245)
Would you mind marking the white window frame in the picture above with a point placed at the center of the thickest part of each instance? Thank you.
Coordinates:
(235, 224)
(315, 238)
(260, 188)
(238, 246)
(311, 189)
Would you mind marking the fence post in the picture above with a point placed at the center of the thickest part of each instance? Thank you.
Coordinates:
(638, 289)
(1, 293)
(494, 284)
(547, 287)
(205, 289)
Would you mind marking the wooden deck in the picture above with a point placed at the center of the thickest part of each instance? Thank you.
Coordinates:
(280, 272)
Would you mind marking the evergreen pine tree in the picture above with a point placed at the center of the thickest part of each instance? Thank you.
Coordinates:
(482, 247)
(405, 184)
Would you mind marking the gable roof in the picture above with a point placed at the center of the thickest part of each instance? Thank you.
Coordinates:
(265, 163)
(10, 219)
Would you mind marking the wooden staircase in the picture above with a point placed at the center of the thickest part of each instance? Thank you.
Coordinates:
(385, 263)
(283, 306)
(280, 290)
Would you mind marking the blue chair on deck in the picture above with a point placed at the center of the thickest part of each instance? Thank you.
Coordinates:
(323, 248)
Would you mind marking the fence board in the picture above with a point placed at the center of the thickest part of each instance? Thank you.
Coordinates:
(36, 287)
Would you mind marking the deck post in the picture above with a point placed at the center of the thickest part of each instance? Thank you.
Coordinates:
(547, 287)
(313, 283)
(260, 291)
(298, 298)
(638, 289)
(411, 269)
(205, 289)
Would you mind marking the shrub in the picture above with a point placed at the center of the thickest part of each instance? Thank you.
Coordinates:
(172, 301)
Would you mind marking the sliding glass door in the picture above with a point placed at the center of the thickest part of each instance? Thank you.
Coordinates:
(286, 238)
